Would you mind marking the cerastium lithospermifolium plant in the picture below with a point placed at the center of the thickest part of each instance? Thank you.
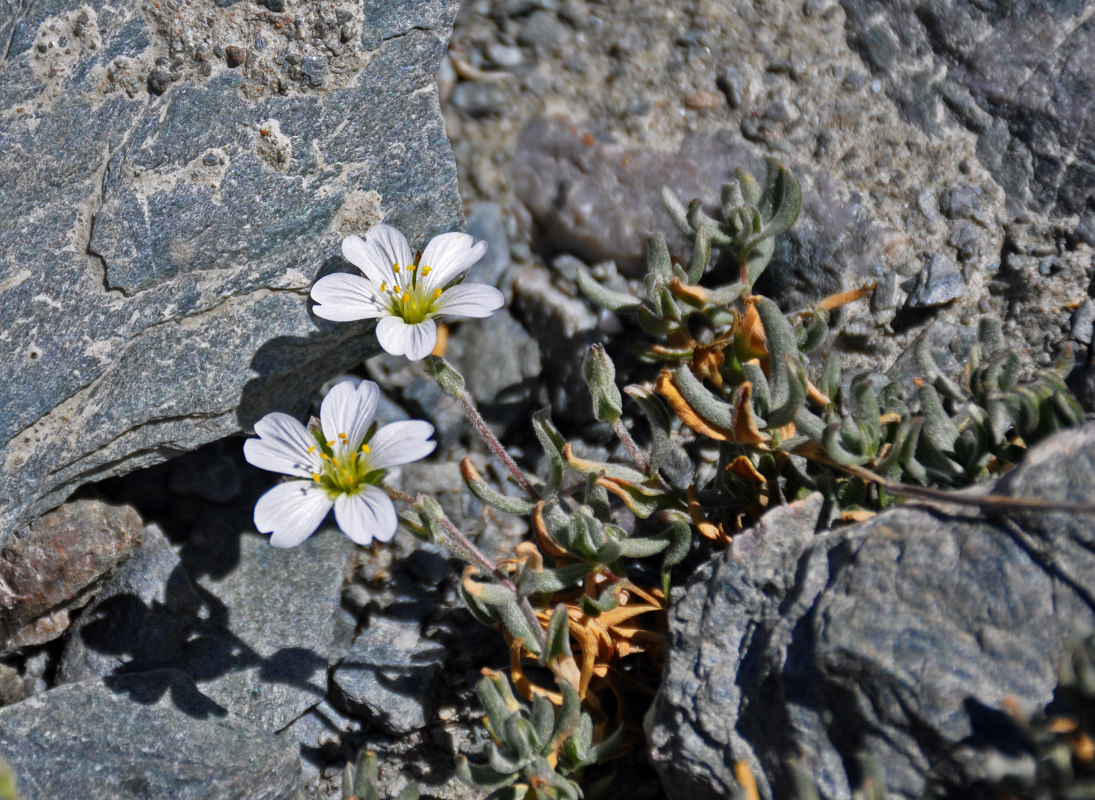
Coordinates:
(584, 600)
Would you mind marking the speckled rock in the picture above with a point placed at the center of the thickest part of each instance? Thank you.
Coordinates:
(1019, 77)
(907, 636)
(166, 210)
(139, 736)
(52, 568)
(599, 200)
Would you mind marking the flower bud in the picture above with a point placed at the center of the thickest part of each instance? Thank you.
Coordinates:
(600, 377)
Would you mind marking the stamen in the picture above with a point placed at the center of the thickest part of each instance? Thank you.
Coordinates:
(311, 449)
(411, 268)
(436, 293)
(365, 449)
(383, 286)
(395, 268)
(316, 477)
(325, 457)
(330, 444)
(342, 436)
(426, 270)
(406, 298)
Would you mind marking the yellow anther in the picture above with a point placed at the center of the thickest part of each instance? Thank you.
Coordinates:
(365, 449)
(395, 268)
(330, 444)
(436, 293)
(325, 457)
(426, 270)
(383, 286)
(411, 268)
(342, 436)
(396, 289)
(406, 298)
(316, 477)
(311, 449)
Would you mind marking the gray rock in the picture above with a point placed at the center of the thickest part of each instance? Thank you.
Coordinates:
(139, 736)
(52, 567)
(907, 636)
(542, 30)
(319, 733)
(479, 98)
(158, 297)
(487, 223)
(599, 201)
(1019, 76)
(497, 357)
(937, 283)
(141, 619)
(564, 327)
(261, 642)
(390, 674)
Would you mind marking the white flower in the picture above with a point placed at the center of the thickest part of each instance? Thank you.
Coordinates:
(341, 465)
(403, 295)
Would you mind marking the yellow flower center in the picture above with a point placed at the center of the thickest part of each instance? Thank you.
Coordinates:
(345, 471)
(408, 301)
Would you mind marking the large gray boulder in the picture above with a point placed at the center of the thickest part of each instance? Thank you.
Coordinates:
(908, 637)
(134, 737)
(175, 178)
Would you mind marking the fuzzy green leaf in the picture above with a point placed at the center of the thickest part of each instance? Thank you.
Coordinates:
(619, 302)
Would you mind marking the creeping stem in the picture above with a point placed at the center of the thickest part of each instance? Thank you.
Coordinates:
(466, 549)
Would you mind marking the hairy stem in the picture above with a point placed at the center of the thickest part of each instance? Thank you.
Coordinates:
(637, 455)
(495, 446)
(460, 544)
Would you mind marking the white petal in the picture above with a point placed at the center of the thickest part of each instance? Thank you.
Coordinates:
(449, 256)
(282, 446)
(348, 410)
(386, 247)
(372, 262)
(400, 443)
(291, 512)
(366, 516)
(345, 298)
(470, 300)
(400, 339)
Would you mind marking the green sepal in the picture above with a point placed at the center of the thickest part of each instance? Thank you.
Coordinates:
(446, 375)
(600, 377)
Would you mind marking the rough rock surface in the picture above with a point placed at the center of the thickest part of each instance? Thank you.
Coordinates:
(390, 674)
(906, 636)
(176, 176)
(52, 567)
(140, 736)
(1020, 80)
(597, 199)
(140, 620)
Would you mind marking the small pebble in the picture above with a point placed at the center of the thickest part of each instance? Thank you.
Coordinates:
(704, 99)
(314, 70)
(235, 55)
(477, 98)
(158, 80)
